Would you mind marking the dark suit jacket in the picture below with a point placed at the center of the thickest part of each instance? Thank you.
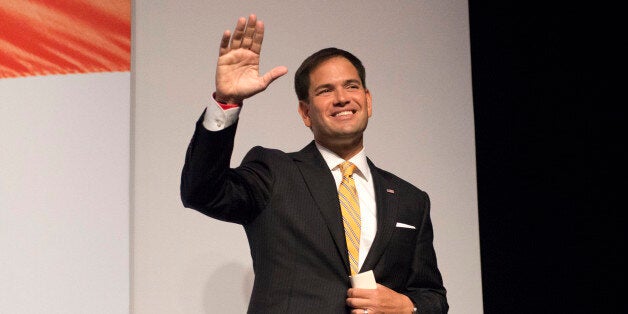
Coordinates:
(288, 205)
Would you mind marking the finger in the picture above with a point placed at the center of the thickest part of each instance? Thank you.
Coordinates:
(249, 32)
(273, 74)
(358, 303)
(238, 32)
(360, 293)
(224, 43)
(256, 44)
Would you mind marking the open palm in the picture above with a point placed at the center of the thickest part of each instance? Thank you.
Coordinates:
(237, 72)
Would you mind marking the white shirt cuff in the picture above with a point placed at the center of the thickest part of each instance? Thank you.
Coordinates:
(217, 119)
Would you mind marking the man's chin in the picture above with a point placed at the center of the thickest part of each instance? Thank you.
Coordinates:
(341, 138)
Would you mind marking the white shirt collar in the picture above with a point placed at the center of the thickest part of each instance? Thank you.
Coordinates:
(333, 160)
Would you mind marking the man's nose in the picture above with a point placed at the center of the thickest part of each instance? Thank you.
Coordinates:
(342, 98)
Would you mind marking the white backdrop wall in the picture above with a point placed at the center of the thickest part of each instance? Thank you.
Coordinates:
(64, 194)
(417, 57)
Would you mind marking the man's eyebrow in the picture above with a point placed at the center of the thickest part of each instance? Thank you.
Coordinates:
(346, 82)
(325, 85)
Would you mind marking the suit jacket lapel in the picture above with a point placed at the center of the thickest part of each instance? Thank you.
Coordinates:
(387, 207)
(322, 186)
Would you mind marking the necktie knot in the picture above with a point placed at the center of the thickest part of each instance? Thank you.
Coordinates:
(346, 168)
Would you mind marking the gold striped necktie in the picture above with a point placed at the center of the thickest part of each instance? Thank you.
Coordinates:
(350, 208)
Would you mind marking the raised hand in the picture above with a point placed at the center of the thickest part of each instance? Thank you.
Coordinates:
(237, 72)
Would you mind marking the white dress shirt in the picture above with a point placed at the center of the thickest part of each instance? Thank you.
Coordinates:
(366, 193)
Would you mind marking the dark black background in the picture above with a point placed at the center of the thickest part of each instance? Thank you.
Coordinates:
(549, 156)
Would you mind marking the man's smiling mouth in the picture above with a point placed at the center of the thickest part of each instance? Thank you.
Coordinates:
(343, 113)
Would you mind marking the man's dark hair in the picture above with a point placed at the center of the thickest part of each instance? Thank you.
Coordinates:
(302, 76)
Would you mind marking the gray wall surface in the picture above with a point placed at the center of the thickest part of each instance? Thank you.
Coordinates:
(64, 194)
(417, 57)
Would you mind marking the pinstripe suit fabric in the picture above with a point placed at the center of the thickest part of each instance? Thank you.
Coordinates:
(288, 205)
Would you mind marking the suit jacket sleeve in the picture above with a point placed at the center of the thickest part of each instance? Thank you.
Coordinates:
(211, 187)
(425, 284)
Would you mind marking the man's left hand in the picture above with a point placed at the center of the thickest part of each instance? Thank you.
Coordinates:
(376, 301)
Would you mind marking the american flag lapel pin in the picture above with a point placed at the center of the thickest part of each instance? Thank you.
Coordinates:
(391, 191)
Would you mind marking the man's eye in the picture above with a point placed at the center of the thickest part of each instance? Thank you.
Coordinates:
(322, 91)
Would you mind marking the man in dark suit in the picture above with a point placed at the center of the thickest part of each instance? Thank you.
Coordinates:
(289, 203)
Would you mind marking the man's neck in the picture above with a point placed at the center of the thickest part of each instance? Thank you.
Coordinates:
(344, 151)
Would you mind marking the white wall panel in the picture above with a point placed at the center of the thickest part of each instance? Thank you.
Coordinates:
(417, 58)
(64, 194)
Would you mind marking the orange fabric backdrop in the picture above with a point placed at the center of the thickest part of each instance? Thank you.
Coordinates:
(44, 37)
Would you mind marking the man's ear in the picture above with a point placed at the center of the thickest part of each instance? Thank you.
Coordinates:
(304, 111)
(369, 105)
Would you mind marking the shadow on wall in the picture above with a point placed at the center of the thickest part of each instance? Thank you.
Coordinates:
(228, 289)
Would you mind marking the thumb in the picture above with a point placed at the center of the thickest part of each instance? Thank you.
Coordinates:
(274, 74)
